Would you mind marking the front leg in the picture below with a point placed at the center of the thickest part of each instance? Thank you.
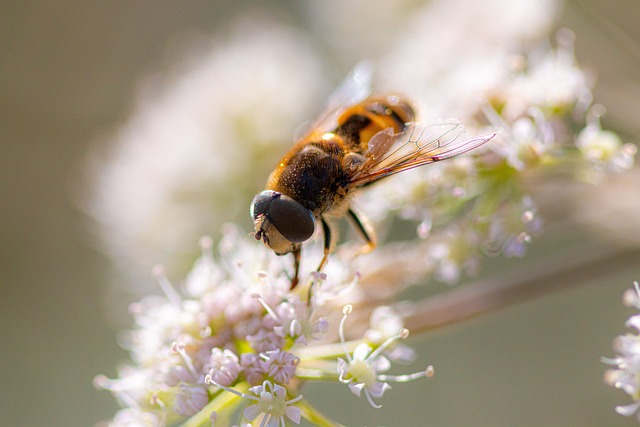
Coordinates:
(296, 266)
(328, 248)
(328, 243)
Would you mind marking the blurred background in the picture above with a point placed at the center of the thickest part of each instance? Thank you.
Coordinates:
(72, 74)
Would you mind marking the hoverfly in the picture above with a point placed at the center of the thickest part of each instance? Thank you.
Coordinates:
(356, 141)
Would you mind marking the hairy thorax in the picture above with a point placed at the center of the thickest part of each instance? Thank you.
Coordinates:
(315, 176)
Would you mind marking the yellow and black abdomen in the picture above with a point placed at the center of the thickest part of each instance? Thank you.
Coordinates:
(359, 123)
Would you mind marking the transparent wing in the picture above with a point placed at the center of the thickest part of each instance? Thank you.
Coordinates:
(353, 89)
(418, 145)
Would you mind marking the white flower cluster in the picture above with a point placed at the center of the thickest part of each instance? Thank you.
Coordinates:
(480, 204)
(626, 370)
(237, 341)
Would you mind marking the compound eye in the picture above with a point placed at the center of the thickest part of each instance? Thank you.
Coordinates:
(261, 202)
(295, 222)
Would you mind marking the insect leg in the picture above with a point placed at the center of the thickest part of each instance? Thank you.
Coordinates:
(365, 231)
(296, 271)
(328, 243)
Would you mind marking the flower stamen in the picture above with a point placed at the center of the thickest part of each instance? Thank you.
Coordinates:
(173, 296)
(179, 348)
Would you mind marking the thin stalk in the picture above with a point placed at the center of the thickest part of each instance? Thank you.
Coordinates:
(551, 275)
(224, 404)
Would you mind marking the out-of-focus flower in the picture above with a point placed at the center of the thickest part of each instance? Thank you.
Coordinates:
(371, 28)
(451, 54)
(603, 148)
(626, 373)
(186, 160)
(511, 230)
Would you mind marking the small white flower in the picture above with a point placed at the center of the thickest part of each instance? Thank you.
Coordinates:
(604, 148)
(294, 320)
(363, 369)
(511, 228)
(223, 366)
(272, 404)
(205, 274)
(384, 322)
(454, 251)
(131, 388)
(253, 368)
(280, 365)
(523, 142)
(265, 340)
(269, 400)
(190, 399)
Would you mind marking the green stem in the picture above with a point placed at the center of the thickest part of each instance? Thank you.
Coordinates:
(326, 351)
(224, 404)
(315, 375)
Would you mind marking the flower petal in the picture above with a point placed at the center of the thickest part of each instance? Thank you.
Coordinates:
(628, 410)
(294, 414)
(252, 411)
(356, 388)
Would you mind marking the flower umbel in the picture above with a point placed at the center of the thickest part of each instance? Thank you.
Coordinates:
(251, 355)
